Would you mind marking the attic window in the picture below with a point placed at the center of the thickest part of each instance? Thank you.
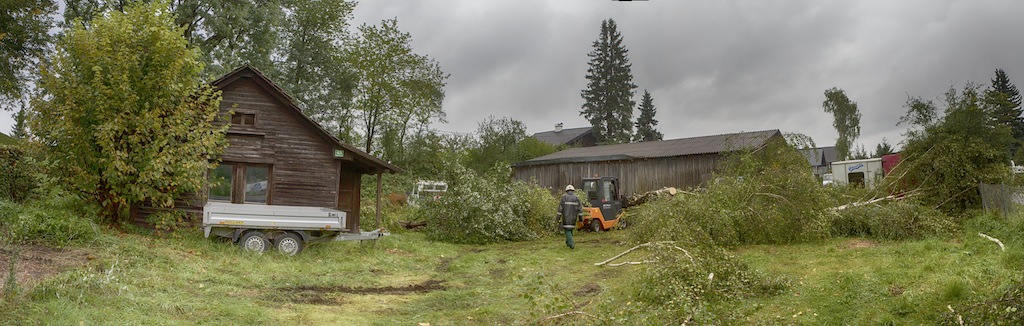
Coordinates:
(245, 119)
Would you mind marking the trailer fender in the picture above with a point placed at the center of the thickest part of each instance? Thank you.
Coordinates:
(238, 234)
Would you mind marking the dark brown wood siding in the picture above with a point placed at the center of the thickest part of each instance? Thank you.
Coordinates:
(634, 175)
(305, 171)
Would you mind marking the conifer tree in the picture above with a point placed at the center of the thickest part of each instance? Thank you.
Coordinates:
(608, 98)
(645, 124)
(1003, 100)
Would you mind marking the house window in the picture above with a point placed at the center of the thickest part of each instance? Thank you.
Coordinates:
(220, 182)
(245, 119)
(240, 183)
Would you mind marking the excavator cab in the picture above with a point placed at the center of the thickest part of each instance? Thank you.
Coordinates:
(605, 203)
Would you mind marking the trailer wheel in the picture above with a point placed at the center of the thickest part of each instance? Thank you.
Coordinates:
(254, 241)
(595, 225)
(289, 244)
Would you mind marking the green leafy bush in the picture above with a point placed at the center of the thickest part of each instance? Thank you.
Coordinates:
(17, 174)
(488, 208)
(58, 220)
(900, 220)
(763, 196)
(700, 290)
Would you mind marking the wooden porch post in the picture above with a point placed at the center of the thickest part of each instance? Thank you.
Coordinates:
(379, 174)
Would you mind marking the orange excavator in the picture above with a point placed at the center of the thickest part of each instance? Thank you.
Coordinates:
(605, 209)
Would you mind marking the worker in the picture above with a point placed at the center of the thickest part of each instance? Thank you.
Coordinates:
(569, 211)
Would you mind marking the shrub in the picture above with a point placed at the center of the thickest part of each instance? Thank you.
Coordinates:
(900, 220)
(700, 290)
(17, 174)
(764, 196)
(488, 208)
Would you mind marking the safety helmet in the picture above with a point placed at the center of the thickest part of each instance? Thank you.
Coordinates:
(569, 188)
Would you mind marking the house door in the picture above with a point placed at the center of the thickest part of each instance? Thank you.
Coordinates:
(348, 198)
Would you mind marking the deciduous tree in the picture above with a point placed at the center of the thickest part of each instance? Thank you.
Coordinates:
(24, 39)
(846, 119)
(397, 89)
(646, 125)
(125, 111)
(608, 98)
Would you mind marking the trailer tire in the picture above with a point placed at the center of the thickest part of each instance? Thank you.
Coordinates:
(254, 241)
(289, 244)
(595, 225)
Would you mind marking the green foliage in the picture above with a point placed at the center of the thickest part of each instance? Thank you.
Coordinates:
(125, 113)
(24, 38)
(846, 119)
(701, 290)
(608, 98)
(646, 124)
(17, 174)
(883, 148)
(169, 221)
(762, 196)
(900, 220)
(397, 89)
(946, 157)
(56, 220)
(1004, 101)
(486, 208)
(498, 141)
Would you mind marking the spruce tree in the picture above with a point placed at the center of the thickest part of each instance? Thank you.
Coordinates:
(1003, 100)
(608, 98)
(645, 124)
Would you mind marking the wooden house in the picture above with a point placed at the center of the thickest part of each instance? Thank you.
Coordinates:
(277, 155)
(643, 166)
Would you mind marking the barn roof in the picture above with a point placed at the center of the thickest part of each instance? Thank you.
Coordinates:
(565, 136)
(820, 156)
(277, 92)
(657, 149)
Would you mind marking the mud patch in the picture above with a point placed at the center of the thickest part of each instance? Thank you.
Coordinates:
(588, 289)
(858, 243)
(37, 262)
(426, 286)
(498, 273)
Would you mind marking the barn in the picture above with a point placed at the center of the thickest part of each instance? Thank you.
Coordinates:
(277, 155)
(640, 167)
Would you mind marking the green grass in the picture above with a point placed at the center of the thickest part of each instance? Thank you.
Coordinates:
(7, 140)
(192, 280)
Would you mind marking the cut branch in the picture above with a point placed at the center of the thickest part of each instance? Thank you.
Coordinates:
(570, 313)
(1000, 243)
(649, 244)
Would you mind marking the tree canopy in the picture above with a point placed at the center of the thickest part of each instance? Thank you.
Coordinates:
(397, 89)
(125, 111)
(846, 119)
(24, 38)
(646, 125)
(608, 98)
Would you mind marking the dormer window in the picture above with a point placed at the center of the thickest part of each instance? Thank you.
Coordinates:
(244, 119)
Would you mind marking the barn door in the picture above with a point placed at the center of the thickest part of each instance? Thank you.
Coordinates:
(348, 198)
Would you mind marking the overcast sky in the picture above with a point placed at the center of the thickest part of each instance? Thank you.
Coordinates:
(712, 66)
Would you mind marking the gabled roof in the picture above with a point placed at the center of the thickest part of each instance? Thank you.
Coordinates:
(566, 136)
(820, 156)
(656, 149)
(248, 71)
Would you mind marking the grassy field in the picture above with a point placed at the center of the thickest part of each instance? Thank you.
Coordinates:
(405, 279)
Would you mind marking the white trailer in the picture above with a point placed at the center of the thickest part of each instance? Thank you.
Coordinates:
(865, 173)
(256, 227)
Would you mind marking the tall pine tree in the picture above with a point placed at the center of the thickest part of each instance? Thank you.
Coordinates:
(608, 98)
(645, 124)
(1003, 99)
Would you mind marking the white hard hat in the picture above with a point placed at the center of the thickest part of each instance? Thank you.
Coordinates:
(569, 187)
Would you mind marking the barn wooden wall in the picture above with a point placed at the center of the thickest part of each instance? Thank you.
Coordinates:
(305, 172)
(634, 175)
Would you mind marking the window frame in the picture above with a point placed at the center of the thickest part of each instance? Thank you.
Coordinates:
(238, 183)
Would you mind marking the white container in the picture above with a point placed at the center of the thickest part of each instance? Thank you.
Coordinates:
(865, 173)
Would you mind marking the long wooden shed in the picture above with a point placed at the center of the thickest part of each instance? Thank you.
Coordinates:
(277, 155)
(640, 167)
